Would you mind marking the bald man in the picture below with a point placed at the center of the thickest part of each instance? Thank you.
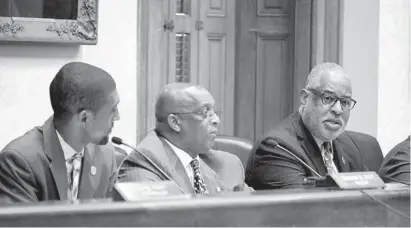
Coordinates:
(179, 149)
(315, 134)
(68, 158)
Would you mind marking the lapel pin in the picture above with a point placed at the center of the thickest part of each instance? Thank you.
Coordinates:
(343, 160)
(93, 170)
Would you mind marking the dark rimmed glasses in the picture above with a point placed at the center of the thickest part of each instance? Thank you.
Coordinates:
(205, 113)
(327, 98)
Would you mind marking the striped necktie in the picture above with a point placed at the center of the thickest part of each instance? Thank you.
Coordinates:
(199, 185)
(73, 174)
(328, 158)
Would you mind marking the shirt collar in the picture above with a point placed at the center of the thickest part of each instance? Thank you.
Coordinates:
(181, 154)
(320, 142)
(67, 149)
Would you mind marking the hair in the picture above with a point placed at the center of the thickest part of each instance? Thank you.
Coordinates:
(79, 86)
(320, 70)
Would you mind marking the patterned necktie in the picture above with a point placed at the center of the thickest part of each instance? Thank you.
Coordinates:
(73, 176)
(328, 158)
(199, 186)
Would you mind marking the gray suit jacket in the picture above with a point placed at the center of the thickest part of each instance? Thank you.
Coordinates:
(32, 168)
(156, 161)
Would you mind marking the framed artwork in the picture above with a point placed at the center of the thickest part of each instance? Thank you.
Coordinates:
(49, 21)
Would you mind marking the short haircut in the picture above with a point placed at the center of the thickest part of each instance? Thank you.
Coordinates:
(79, 86)
(321, 69)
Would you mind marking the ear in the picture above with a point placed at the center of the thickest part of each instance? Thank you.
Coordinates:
(303, 96)
(84, 116)
(174, 122)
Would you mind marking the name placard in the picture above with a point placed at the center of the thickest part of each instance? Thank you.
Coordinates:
(137, 191)
(358, 180)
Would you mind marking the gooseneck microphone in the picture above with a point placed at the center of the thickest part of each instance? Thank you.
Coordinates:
(119, 141)
(276, 144)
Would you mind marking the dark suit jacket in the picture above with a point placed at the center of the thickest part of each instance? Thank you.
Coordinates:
(396, 164)
(220, 170)
(270, 167)
(33, 168)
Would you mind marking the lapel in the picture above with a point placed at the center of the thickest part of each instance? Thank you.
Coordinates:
(178, 172)
(55, 153)
(308, 143)
(163, 155)
(87, 180)
(340, 156)
(211, 179)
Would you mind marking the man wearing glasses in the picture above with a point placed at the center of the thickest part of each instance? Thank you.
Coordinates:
(179, 149)
(312, 141)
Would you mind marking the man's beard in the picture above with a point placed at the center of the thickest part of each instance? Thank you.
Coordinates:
(103, 141)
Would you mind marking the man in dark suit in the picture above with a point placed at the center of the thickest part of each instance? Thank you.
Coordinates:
(179, 149)
(69, 157)
(396, 164)
(314, 134)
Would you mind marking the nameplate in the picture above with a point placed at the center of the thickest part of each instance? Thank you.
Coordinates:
(358, 180)
(138, 191)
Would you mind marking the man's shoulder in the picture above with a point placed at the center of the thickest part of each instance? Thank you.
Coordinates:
(283, 133)
(222, 156)
(150, 142)
(29, 145)
(400, 151)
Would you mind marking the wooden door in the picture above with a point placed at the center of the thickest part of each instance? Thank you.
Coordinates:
(196, 46)
(264, 65)
(216, 57)
(183, 41)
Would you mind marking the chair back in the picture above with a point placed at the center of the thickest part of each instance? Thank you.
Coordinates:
(234, 145)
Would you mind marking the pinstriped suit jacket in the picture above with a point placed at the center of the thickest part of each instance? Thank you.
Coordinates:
(221, 171)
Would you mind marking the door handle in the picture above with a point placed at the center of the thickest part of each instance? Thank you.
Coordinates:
(168, 25)
(199, 25)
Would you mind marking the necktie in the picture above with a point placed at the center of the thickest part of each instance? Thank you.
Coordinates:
(328, 158)
(73, 174)
(199, 185)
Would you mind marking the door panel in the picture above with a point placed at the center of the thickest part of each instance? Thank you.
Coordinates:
(183, 41)
(216, 57)
(156, 63)
(264, 78)
(273, 97)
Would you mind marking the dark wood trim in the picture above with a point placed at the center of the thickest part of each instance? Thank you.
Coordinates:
(326, 31)
(142, 67)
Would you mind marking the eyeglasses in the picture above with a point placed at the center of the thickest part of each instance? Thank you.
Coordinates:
(347, 103)
(205, 113)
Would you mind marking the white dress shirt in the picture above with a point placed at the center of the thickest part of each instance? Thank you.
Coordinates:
(185, 159)
(68, 152)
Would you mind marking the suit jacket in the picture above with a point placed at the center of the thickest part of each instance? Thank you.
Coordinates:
(155, 161)
(270, 167)
(396, 164)
(33, 168)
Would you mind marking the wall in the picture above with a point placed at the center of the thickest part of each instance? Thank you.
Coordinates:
(394, 72)
(26, 71)
(376, 54)
(360, 60)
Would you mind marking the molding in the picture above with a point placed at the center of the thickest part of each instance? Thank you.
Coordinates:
(82, 30)
(326, 31)
(142, 68)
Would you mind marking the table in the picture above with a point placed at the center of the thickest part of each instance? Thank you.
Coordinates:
(289, 207)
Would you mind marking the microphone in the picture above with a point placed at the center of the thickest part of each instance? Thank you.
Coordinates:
(276, 144)
(119, 141)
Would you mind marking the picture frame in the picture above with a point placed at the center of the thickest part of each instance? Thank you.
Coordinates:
(80, 30)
